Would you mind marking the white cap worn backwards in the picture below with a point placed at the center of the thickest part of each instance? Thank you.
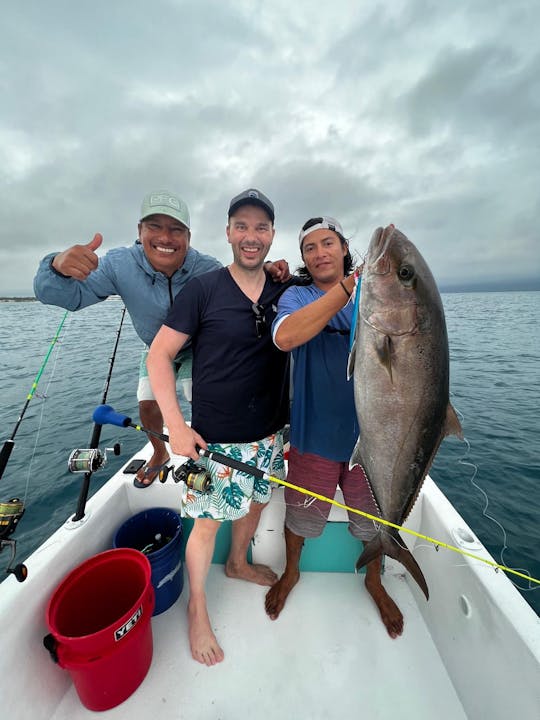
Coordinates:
(327, 223)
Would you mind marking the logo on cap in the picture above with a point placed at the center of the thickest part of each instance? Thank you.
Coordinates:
(164, 199)
(253, 194)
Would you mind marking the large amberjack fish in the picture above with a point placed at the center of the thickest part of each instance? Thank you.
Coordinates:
(400, 364)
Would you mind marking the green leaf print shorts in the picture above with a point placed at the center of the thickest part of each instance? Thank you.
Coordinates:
(233, 490)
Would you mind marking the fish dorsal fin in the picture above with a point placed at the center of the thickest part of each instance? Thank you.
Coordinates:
(384, 353)
(452, 426)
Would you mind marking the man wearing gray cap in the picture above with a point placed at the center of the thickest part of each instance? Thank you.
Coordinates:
(240, 402)
(147, 276)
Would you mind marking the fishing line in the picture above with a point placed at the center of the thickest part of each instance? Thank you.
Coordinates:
(481, 490)
(257, 472)
(12, 511)
(438, 543)
(9, 444)
(356, 307)
(462, 461)
(310, 503)
(106, 414)
(43, 397)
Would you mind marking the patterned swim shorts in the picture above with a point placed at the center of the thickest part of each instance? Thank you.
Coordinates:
(182, 369)
(233, 490)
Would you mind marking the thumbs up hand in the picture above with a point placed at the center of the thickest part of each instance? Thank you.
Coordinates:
(78, 261)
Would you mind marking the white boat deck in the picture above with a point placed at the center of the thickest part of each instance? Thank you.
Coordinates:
(472, 651)
(326, 656)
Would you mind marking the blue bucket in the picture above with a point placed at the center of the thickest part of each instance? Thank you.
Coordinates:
(158, 533)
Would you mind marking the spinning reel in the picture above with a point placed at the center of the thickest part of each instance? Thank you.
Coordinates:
(193, 475)
(10, 514)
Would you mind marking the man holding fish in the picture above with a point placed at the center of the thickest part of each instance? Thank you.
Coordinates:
(314, 322)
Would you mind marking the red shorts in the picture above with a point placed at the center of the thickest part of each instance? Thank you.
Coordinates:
(306, 516)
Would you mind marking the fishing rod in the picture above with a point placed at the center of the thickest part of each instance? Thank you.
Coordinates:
(12, 511)
(91, 459)
(106, 414)
(10, 444)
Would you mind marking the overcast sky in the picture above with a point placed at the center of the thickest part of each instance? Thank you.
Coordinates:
(425, 114)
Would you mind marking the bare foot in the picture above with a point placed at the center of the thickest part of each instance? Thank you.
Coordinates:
(204, 645)
(391, 615)
(148, 473)
(259, 574)
(278, 594)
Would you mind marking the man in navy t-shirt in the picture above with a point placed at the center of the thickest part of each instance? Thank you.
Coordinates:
(239, 406)
(314, 322)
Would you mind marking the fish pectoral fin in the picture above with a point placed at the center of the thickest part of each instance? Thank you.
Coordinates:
(351, 361)
(384, 353)
(452, 426)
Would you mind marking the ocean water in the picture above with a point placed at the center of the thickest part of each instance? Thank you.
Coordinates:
(495, 387)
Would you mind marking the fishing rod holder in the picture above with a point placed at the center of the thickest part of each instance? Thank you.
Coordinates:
(90, 460)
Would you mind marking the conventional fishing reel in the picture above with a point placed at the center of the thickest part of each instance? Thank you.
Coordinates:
(90, 460)
(193, 475)
(10, 514)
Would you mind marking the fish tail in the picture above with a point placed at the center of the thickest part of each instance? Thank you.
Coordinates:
(390, 543)
(372, 550)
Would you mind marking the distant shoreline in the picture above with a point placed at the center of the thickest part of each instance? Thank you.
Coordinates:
(488, 288)
(526, 287)
(18, 299)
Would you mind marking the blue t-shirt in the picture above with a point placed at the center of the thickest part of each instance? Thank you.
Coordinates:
(323, 416)
(240, 378)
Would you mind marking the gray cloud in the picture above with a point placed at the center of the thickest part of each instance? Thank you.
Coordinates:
(415, 113)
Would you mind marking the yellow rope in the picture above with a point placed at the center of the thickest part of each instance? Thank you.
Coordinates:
(438, 543)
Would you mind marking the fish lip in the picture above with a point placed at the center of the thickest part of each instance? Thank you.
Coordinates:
(381, 240)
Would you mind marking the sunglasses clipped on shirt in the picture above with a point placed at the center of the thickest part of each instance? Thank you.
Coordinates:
(260, 320)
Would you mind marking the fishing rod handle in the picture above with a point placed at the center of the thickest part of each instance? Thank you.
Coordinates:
(212, 455)
(232, 463)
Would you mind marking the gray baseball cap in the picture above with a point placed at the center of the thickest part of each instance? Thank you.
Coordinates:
(252, 197)
(163, 202)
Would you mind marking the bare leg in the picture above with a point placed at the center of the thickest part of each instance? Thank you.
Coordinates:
(390, 613)
(199, 549)
(278, 593)
(152, 419)
(237, 565)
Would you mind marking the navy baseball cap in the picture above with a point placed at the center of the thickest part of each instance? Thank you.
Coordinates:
(252, 197)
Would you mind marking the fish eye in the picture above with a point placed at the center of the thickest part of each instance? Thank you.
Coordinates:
(406, 273)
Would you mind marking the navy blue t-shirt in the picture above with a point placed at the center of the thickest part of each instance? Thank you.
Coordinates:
(240, 380)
